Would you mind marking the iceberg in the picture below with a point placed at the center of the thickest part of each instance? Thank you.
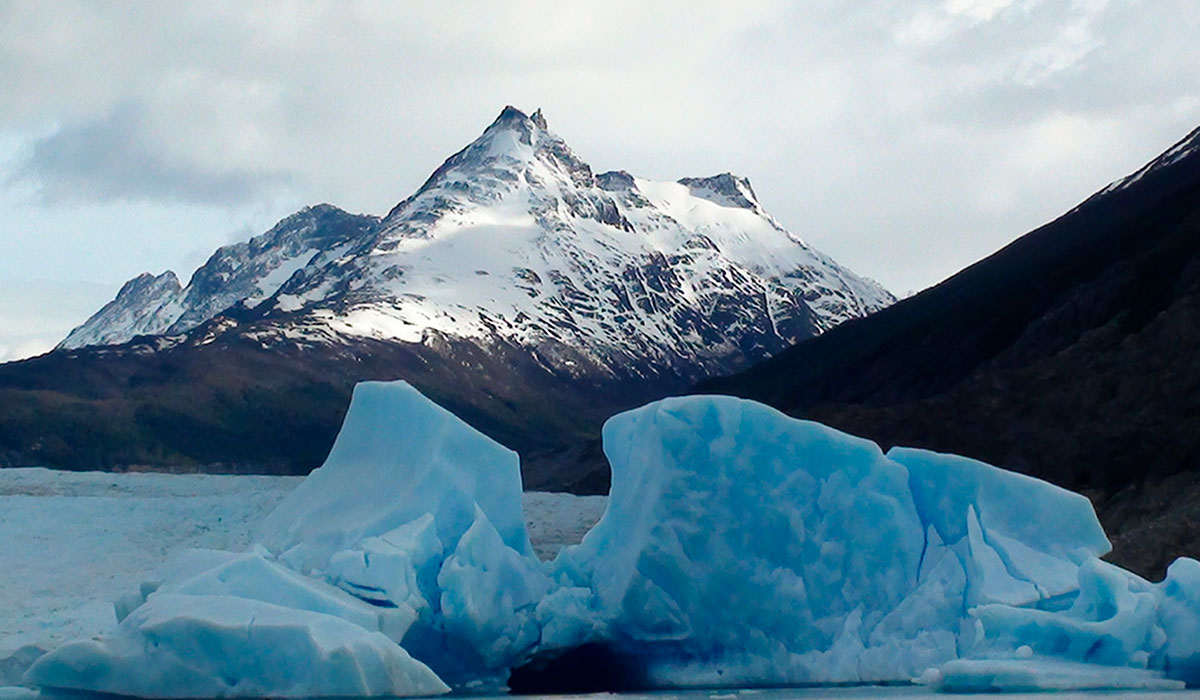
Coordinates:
(739, 547)
(1040, 675)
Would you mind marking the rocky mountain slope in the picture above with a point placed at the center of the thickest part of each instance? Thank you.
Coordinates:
(518, 287)
(1069, 355)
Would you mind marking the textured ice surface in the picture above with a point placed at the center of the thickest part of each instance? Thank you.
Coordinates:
(1026, 536)
(1180, 618)
(188, 646)
(106, 531)
(489, 593)
(741, 546)
(1020, 508)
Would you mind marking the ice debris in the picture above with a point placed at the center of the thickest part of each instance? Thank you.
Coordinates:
(740, 547)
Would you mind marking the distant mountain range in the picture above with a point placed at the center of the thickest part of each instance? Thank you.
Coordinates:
(517, 287)
(1071, 355)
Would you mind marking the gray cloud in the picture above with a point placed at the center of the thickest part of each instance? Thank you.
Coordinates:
(118, 157)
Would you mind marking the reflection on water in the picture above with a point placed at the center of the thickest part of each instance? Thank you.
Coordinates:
(867, 693)
(823, 693)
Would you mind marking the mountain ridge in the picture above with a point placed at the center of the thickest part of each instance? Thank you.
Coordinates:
(520, 180)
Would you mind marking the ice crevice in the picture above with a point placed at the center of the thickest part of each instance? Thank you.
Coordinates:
(740, 547)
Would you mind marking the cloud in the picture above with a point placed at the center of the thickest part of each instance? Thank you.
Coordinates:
(904, 139)
(120, 156)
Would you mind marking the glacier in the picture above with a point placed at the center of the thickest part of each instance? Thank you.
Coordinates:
(740, 547)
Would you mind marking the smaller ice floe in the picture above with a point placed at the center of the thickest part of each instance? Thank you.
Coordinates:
(13, 664)
(220, 646)
(1124, 630)
(251, 576)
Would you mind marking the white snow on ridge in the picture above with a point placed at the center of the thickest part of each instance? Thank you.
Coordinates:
(246, 273)
(273, 280)
(1184, 148)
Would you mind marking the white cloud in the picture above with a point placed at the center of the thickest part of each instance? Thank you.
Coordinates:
(905, 139)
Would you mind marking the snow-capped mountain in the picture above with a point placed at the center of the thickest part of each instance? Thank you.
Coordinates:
(529, 295)
(515, 239)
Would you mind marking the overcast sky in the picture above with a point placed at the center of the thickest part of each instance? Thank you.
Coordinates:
(906, 140)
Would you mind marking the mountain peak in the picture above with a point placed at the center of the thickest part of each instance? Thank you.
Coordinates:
(510, 117)
(514, 148)
(146, 305)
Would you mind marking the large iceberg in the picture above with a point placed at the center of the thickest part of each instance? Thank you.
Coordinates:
(740, 547)
(744, 547)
